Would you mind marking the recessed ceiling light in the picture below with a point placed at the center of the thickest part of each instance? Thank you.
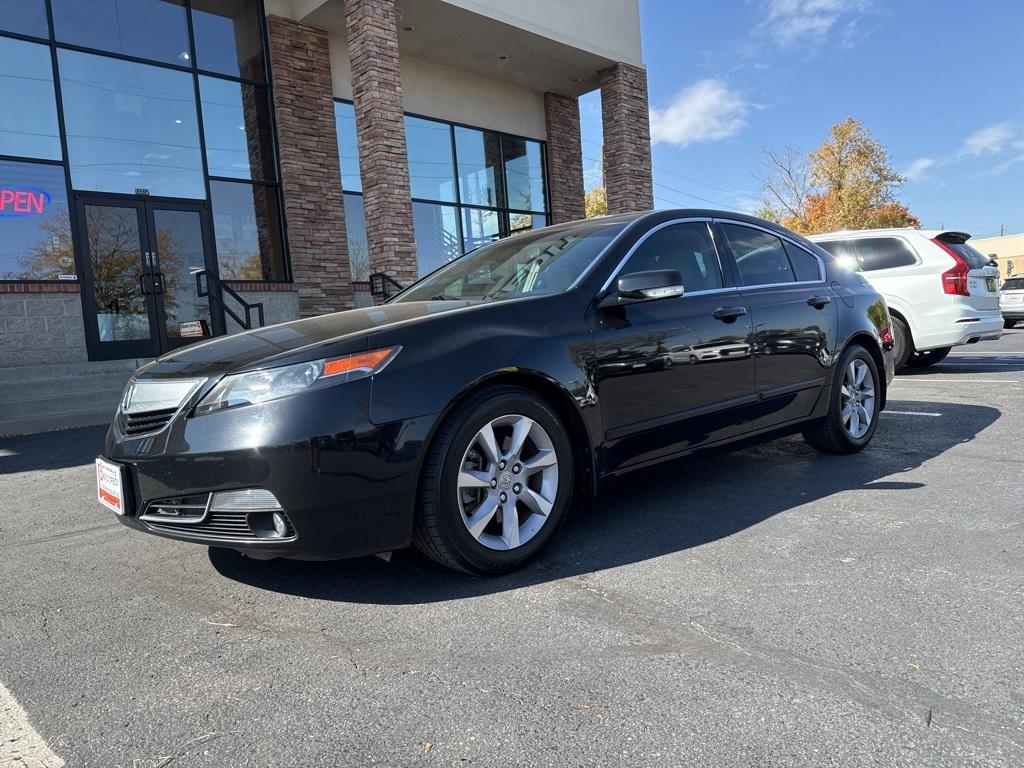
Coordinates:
(184, 56)
(577, 79)
(502, 57)
(408, 28)
(177, 122)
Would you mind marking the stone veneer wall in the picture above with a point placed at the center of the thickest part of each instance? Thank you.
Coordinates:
(627, 139)
(372, 33)
(310, 168)
(565, 157)
(41, 328)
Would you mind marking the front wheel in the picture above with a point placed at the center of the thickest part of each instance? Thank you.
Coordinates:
(930, 357)
(853, 409)
(497, 483)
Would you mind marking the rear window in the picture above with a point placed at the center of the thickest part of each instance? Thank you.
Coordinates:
(883, 253)
(974, 259)
(1014, 284)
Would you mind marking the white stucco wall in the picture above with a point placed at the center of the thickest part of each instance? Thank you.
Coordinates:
(449, 94)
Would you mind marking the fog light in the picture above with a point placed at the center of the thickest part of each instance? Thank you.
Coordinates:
(245, 500)
(280, 524)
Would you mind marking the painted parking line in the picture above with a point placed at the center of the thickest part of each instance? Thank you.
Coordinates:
(971, 364)
(954, 380)
(909, 413)
(20, 744)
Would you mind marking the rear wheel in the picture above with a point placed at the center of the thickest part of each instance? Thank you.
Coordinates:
(853, 409)
(496, 483)
(903, 343)
(1009, 323)
(931, 357)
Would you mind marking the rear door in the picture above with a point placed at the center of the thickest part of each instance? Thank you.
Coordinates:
(794, 316)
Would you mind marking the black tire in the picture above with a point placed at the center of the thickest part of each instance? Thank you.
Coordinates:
(931, 357)
(440, 531)
(829, 435)
(1009, 323)
(903, 343)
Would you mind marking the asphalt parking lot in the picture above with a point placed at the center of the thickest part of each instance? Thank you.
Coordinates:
(767, 607)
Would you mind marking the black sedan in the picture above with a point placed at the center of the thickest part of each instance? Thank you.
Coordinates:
(469, 413)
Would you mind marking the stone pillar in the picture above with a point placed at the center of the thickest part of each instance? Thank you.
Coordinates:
(310, 168)
(565, 157)
(627, 138)
(372, 31)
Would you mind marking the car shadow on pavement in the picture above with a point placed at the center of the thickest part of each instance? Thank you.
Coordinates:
(51, 450)
(688, 503)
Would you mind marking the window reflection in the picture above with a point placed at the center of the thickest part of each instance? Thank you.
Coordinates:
(179, 247)
(26, 17)
(130, 127)
(35, 226)
(479, 227)
(227, 35)
(149, 29)
(247, 230)
(114, 244)
(358, 247)
(29, 129)
(437, 235)
(524, 174)
(236, 124)
(431, 172)
(348, 146)
(479, 155)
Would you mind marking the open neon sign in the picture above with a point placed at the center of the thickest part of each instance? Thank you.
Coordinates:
(23, 201)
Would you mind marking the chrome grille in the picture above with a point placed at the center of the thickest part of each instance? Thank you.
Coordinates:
(171, 516)
(133, 424)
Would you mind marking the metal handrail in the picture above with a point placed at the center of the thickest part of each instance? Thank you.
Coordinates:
(379, 283)
(216, 297)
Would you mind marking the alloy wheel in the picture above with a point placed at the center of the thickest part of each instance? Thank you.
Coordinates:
(858, 398)
(507, 482)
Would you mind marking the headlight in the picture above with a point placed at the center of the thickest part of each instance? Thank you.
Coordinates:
(273, 383)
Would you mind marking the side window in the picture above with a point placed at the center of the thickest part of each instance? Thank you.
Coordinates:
(883, 253)
(686, 248)
(760, 256)
(844, 251)
(804, 264)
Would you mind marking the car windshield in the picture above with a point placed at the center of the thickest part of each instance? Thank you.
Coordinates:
(542, 262)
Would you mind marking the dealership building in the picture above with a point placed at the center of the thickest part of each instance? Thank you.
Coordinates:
(172, 170)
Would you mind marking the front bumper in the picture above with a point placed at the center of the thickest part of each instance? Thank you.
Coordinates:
(346, 486)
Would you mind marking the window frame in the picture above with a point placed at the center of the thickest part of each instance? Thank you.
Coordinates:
(822, 273)
(196, 72)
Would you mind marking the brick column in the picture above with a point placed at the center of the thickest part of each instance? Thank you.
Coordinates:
(627, 138)
(565, 157)
(383, 159)
(310, 168)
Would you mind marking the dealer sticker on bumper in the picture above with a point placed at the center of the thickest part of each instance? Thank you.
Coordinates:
(109, 489)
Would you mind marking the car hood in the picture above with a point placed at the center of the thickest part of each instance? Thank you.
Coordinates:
(338, 333)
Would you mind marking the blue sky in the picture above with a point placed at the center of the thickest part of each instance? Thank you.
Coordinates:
(939, 82)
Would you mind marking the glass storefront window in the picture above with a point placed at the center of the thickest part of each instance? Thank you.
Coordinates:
(522, 222)
(479, 227)
(26, 17)
(479, 158)
(131, 128)
(348, 146)
(35, 225)
(247, 229)
(524, 174)
(28, 124)
(431, 172)
(358, 247)
(227, 35)
(437, 235)
(149, 29)
(236, 124)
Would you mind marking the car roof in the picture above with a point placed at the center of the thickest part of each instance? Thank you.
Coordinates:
(931, 234)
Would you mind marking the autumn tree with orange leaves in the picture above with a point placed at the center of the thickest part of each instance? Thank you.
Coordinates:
(846, 183)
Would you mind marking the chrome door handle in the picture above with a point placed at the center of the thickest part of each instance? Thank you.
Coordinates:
(728, 314)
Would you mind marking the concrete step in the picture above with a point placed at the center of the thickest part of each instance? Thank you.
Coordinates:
(68, 386)
(56, 405)
(46, 423)
(67, 370)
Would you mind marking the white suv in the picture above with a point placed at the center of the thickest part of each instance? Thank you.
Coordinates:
(1011, 300)
(940, 291)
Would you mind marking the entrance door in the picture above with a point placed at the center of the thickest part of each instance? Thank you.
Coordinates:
(141, 297)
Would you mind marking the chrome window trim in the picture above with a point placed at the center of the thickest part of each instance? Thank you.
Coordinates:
(688, 220)
(821, 264)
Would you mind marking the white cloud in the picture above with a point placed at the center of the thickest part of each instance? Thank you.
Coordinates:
(917, 169)
(706, 111)
(1004, 166)
(988, 140)
(809, 22)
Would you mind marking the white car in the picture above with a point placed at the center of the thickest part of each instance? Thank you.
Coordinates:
(940, 291)
(1011, 300)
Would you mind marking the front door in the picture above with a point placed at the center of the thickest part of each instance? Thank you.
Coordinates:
(141, 261)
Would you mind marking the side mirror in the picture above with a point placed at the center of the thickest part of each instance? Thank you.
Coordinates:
(647, 286)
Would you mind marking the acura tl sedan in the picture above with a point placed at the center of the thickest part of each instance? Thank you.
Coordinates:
(472, 411)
